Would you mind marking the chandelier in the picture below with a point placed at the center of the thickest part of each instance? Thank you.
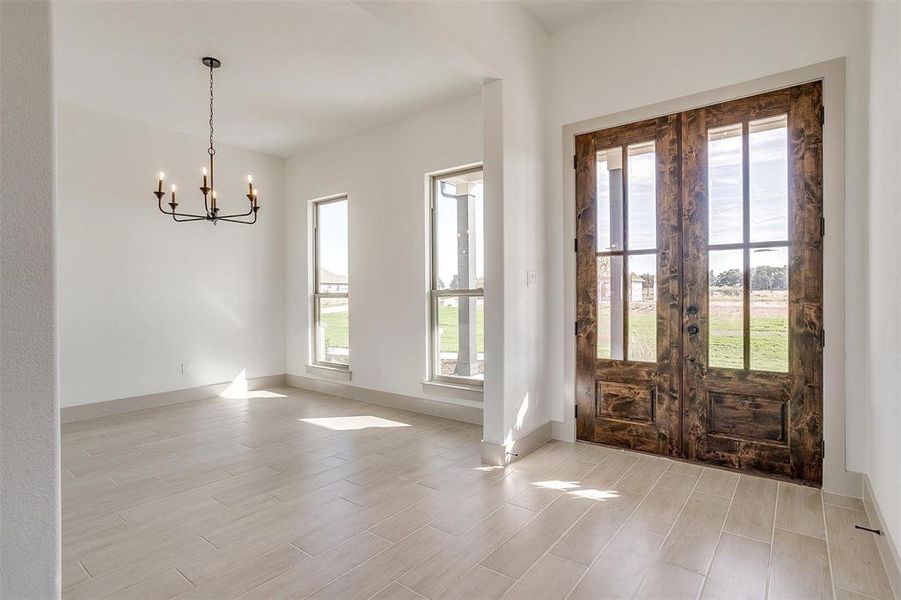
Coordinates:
(210, 203)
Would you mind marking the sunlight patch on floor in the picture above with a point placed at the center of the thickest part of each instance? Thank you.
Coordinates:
(237, 390)
(353, 423)
(595, 494)
(574, 489)
(555, 484)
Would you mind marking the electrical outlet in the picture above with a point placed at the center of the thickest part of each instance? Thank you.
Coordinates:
(185, 368)
(531, 278)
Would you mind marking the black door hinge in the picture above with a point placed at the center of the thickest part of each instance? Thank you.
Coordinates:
(576, 412)
(576, 328)
(575, 244)
(822, 226)
(822, 449)
(822, 115)
(575, 161)
(822, 338)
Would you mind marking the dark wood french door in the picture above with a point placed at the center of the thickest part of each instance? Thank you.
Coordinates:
(699, 284)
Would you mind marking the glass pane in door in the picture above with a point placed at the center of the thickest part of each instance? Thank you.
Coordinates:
(643, 308)
(725, 185)
(769, 309)
(642, 179)
(725, 305)
(768, 179)
(610, 199)
(610, 307)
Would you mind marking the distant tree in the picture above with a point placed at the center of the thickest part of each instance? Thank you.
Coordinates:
(769, 278)
(728, 278)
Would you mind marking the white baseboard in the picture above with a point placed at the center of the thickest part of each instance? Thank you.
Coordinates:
(888, 550)
(447, 410)
(499, 454)
(80, 412)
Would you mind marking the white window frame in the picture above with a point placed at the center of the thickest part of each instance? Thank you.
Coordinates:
(435, 294)
(317, 295)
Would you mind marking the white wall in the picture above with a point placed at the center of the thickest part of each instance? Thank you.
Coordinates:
(884, 375)
(29, 408)
(383, 172)
(663, 51)
(502, 45)
(139, 294)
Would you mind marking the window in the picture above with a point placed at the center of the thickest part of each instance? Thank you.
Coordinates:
(458, 278)
(627, 253)
(330, 286)
(748, 245)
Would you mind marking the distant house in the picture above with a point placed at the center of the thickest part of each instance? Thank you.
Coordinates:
(640, 289)
(332, 283)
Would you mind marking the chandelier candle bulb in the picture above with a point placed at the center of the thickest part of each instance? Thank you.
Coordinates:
(204, 177)
(173, 192)
(160, 186)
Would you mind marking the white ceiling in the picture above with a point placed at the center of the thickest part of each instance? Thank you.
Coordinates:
(554, 15)
(294, 74)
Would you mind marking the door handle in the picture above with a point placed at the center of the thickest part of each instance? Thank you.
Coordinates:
(692, 330)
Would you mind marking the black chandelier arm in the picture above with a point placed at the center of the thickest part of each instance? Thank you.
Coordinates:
(173, 214)
(193, 218)
(247, 214)
(233, 220)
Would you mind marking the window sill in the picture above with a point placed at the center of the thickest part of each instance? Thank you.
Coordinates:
(329, 372)
(466, 395)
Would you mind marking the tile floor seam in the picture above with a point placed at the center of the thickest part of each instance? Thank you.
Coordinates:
(185, 576)
(669, 531)
(85, 569)
(720, 537)
(828, 543)
(496, 546)
(618, 529)
(379, 553)
(769, 565)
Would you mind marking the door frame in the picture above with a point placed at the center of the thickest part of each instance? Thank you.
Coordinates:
(832, 73)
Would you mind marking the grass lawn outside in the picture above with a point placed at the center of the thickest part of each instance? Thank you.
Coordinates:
(336, 326)
(769, 332)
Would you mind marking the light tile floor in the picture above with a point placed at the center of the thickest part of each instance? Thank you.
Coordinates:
(293, 494)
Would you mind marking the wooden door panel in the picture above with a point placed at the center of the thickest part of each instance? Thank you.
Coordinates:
(751, 418)
(765, 421)
(624, 402)
(722, 409)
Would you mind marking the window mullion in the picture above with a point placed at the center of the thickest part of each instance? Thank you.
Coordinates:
(746, 238)
(626, 278)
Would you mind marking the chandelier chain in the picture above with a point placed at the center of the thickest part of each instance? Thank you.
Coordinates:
(212, 150)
